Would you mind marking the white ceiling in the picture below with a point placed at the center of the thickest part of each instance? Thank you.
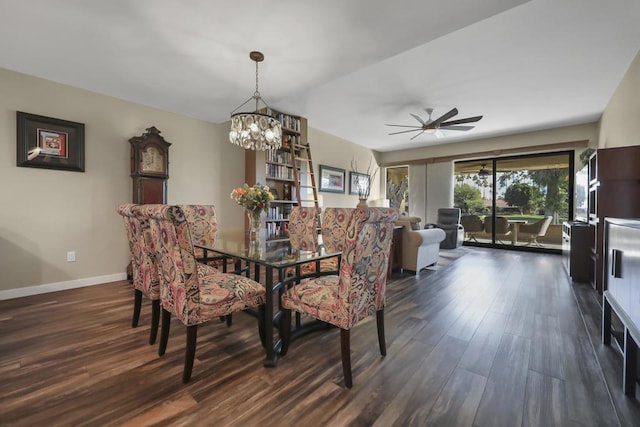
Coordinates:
(349, 66)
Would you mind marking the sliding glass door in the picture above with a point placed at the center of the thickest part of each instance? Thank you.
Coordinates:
(515, 201)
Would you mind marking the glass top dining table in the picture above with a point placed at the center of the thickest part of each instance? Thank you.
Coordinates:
(275, 256)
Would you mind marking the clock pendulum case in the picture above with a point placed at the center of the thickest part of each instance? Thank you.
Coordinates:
(149, 167)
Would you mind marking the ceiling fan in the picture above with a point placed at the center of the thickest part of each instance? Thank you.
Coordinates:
(434, 126)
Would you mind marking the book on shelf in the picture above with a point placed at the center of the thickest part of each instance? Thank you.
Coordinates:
(288, 122)
(275, 156)
(278, 171)
(277, 230)
(279, 212)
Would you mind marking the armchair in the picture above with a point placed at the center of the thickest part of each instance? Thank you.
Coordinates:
(535, 230)
(449, 221)
(473, 225)
(503, 228)
(420, 248)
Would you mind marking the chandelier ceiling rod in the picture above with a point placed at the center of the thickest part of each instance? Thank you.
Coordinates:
(257, 57)
(255, 131)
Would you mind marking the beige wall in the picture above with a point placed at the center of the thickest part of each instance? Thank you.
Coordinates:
(417, 191)
(439, 189)
(620, 123)
(49, 212)
(329, 150)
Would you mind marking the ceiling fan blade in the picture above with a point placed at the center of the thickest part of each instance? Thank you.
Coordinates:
(460, 121)
(418, 118)
(404, 126)
(457, 127)
(436, 123)
(405, 131)
(414, 137)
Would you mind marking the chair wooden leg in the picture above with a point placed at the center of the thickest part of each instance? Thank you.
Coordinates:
(261, 314)
(298, 320)
(285, 330)
(381, 341)
(155, 320)
(164, 331)
(137, 303)
(345, 346)
(190, 352)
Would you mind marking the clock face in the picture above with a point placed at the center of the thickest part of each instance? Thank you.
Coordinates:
(152, 160)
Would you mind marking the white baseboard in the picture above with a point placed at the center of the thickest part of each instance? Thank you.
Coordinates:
(61, 286)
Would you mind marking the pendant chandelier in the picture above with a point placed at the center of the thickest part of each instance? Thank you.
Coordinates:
(257, 130)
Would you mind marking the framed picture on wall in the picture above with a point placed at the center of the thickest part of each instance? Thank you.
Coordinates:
(332, 180)
(45, 142)
(359, 184)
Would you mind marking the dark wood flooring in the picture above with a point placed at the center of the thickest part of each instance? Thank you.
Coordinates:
(497, 338)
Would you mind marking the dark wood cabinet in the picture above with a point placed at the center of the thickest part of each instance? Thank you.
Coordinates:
(614, 192)
(577, 241)
(149, 167)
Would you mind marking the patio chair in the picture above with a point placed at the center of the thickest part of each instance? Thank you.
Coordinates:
(473, 226)
(535, 230)
(503, 228)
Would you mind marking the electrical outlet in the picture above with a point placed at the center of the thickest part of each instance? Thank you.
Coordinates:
(71, 256)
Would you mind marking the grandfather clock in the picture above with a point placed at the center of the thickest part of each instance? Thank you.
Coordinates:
(149, 167)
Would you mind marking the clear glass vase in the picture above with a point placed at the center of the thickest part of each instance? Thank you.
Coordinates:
(255, 223)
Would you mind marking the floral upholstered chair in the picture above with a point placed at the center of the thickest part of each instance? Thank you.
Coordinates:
(334, 232)
(303, 226)
(203, 224)
(144, 268)
(303, 223)
(303, 233)
(194, 292)
(357, 292)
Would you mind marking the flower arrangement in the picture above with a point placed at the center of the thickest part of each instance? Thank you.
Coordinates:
(256, 198)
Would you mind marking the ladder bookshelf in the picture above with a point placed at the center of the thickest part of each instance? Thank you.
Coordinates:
(288, 171)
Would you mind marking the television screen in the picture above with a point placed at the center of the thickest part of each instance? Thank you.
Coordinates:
(582, 194)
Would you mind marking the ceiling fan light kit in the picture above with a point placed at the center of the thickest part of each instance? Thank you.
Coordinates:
(483, 173)
(434, 126)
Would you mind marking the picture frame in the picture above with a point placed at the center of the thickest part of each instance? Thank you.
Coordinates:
(275, 194)
(332, 180)
(49, 143)
(359, 184)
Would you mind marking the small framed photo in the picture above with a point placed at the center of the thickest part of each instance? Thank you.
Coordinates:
(45, 142)
(332, 180)
(359, 184)
(275, 194)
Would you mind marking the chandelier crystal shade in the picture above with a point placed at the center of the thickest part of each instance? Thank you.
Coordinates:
(256, 130)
